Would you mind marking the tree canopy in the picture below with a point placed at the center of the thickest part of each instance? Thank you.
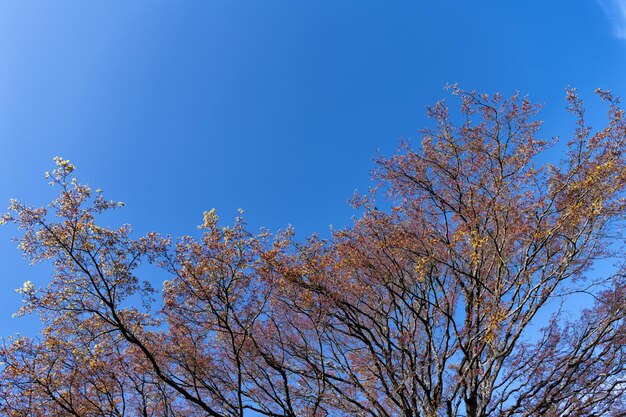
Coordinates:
(446, 297)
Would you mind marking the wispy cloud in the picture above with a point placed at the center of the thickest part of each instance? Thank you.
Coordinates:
(616, 12)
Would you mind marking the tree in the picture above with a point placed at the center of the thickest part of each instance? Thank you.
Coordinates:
(430, 308)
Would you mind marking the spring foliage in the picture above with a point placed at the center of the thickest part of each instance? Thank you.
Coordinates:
(446, 304)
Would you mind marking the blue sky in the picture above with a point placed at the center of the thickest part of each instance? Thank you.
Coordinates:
(275, 106)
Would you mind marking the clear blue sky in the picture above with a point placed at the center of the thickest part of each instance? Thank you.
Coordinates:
(273, 106)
